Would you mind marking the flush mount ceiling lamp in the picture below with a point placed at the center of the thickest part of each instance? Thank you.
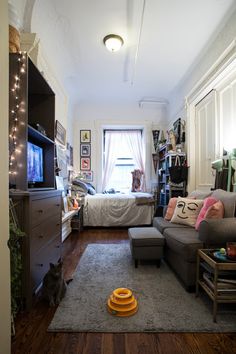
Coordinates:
(113, 42)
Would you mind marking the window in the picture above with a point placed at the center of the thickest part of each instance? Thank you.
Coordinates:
(121, 178)
(122, 154)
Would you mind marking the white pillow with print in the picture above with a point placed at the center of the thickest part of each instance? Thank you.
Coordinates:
(186, 211)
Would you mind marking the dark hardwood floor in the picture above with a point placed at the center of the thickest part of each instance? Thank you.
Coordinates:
(31, 328)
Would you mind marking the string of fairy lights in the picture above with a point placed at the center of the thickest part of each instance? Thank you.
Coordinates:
(18, 107)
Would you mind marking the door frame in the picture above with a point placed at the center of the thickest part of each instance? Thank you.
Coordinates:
(218, 73)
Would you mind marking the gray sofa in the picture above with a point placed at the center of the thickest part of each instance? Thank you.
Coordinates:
(182, 242)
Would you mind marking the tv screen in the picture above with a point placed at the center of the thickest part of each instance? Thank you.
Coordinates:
(35, 163)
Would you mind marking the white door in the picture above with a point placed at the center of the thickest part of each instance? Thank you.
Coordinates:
(206, 129)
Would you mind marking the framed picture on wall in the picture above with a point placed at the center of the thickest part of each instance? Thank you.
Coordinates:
(85, 164)
(85, 150)
(60, 133)
(71, 155)
(88, 176)
(85, 136)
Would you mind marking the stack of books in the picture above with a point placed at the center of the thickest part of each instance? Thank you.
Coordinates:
(225, 286)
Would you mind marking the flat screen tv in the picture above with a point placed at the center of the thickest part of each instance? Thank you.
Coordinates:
(34, 163)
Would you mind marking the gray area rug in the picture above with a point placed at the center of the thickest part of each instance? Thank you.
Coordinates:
(164, 305)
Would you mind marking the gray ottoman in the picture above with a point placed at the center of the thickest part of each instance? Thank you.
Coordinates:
(146, 243)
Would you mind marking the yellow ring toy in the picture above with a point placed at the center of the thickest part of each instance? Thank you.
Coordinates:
(122, 303)
(122, 293)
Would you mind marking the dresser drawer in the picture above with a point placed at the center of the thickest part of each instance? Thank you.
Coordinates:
(45, 208)
(40, 264)
(45, 232)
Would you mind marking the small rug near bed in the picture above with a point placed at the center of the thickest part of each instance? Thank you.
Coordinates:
(164, 305)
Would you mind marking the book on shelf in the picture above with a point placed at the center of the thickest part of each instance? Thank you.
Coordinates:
(222, 273)
(222, 286)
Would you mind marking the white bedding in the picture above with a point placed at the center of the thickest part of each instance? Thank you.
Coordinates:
(117, 210)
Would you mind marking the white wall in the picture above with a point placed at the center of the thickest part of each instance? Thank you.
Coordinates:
(4, 222)
(209, 56)
(95, 117)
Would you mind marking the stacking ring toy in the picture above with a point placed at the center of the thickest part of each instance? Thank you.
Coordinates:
(122, 303)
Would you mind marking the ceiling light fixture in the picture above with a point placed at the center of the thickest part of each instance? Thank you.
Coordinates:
(113, 42)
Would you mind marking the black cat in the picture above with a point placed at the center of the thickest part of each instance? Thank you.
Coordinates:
(54, 285)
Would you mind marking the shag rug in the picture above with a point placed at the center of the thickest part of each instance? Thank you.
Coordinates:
(164, 305)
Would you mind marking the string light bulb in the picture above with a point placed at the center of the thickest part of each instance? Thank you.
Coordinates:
(15, 147)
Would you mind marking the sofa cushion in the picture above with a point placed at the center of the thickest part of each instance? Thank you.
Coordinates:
(228, 199)
(161, 224)
(187, 211)
(183, 241)
(197, 194)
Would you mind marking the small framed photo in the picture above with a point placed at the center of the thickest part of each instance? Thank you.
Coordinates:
(85, 150)
(88, 176)
(60, 133)
(85, 136)
(65, 204)
(71, 156)
(85, 164)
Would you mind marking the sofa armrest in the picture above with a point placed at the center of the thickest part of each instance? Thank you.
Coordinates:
(217, 231)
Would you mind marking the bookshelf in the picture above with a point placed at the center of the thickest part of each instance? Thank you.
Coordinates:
(216, 278)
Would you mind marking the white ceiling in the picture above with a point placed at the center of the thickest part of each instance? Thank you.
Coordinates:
(173, 35)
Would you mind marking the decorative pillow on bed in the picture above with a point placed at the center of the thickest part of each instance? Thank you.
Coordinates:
(186, 211)
(91, 189)
(84, 187)
(212, 209)
(171, 208)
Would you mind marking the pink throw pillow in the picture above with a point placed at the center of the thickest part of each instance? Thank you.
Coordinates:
(171, 208)
(212, 209)
(216, 211)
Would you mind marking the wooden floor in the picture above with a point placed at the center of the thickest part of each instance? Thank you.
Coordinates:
(31, 328)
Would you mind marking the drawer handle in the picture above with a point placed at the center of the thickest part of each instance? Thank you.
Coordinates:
(58, 205)
(40, 211)
(58, 246)
(58, 224)
(41, 236)
(39, 264)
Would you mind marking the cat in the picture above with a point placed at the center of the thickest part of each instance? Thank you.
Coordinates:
(54, 286)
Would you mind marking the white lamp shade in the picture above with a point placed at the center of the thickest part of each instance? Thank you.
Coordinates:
(113, 42)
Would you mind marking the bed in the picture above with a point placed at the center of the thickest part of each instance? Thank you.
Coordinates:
(118, 209)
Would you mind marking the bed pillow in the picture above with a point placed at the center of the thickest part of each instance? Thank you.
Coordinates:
(81, 184)
(186, 211)
(91, 189)
(84, 187)
(171, 208)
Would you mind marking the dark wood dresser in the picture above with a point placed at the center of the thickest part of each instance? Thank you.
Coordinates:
(39, 214)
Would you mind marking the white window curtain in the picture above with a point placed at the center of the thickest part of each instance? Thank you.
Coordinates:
(134, 139)
(113, 142)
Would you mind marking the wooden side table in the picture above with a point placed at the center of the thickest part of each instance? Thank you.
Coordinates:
(216, 278)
